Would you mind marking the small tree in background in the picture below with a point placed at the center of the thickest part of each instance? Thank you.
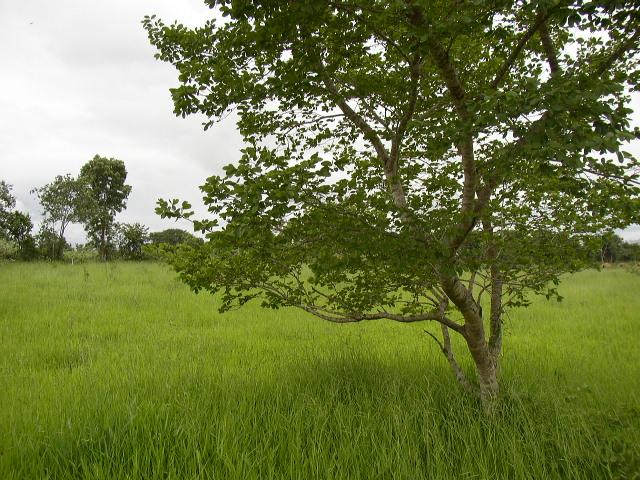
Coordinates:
(131, 238)
(104, 194)
(15, 226)
(49, 244)
(60, 200)
(173, 236)
(19, 227)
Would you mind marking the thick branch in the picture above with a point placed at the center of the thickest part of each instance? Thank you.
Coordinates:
(354, 318)
(549, 49)
(441, 59)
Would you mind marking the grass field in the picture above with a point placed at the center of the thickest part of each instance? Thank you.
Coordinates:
(118, 371)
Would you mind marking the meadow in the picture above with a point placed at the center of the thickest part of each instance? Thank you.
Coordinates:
(118, 371)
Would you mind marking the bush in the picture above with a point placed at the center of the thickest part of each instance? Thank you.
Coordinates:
(8, 250)
(81, 255)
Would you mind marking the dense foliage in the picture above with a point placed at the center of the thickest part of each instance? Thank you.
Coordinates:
(130, 238)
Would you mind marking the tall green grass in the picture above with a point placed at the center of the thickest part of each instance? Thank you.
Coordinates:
(118, 371)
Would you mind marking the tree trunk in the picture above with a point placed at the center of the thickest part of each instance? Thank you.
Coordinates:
(103, 244)
(476, 341)
(485, 365)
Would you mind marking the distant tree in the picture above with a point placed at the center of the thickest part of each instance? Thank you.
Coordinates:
(614, 249)
(15, 226)
(130, 239)
(172, 236)
(104, 194)
(7, 203)
(611, 248)
(8, 250)
(409, 160)
(19, 228)
(49, 243)
(60, 201)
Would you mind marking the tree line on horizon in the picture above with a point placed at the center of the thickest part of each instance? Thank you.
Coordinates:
(93, 198)
(99, 192)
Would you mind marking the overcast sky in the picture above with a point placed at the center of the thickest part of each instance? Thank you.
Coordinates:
(78, 78)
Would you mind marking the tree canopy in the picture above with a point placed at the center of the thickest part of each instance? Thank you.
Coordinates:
(405, 158)
(172, 236)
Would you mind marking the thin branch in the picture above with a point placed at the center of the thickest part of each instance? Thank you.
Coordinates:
(618, 52)
(415, 68)
(472, 282)
(447, 351)
(311, 122)
(368, 132)
(435, 339)
(515, 53)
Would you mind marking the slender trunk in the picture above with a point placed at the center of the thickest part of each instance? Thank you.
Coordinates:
(495, 317)
(495, 340)
(60, 244)
(447, 350)
(103, 246)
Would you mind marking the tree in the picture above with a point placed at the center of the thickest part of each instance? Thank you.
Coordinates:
(49, 244)
(104, 194)
(15, 226)
(131, 238)
(613, 248)
(409, 160)
(60, 201)
(172, 236)
(19, 228)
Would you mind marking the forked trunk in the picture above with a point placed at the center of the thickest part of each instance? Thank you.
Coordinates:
(476, 341)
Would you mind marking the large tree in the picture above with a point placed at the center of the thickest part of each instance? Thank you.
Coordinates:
(104, 194)
(60, 200)
(410, 160)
